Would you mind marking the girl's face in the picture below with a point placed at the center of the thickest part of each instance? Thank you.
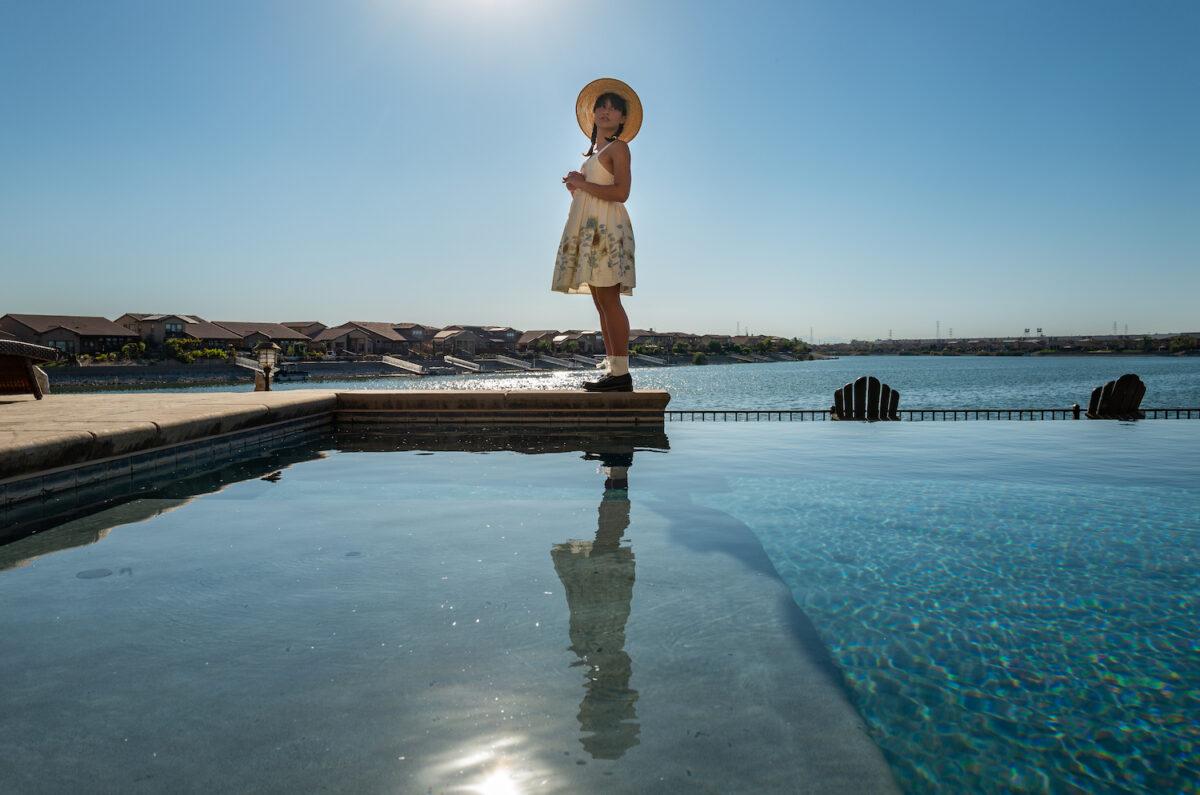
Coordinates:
(608, 117)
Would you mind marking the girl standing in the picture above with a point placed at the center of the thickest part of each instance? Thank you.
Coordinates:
(596, 252)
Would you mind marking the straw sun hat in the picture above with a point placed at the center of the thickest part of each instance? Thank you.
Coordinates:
(606, 85)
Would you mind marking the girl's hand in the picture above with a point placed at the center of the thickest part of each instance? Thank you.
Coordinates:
(575, 180)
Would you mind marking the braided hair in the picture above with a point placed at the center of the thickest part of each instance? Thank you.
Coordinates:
(618, 103)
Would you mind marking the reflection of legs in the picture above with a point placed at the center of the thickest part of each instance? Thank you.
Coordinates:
(616, 478)
(598, 579)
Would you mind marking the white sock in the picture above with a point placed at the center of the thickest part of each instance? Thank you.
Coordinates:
(602, 365)
(618, 365)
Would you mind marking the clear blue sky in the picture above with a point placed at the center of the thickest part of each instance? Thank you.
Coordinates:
(854, 167)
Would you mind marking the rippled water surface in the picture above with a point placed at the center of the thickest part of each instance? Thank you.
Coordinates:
(1004, 607)
(1011, 611)
(924, 381)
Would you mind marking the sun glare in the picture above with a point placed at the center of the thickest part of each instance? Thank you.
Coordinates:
(499, 782)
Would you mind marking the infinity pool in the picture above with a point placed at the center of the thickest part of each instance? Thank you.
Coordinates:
(825, 607)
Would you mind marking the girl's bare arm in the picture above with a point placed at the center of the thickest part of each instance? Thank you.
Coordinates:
(619, 190)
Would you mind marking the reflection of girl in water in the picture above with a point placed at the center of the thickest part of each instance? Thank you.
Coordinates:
(598, 579)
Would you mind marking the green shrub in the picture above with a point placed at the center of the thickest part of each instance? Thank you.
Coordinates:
(699, 358)
(1181, 344)
(133, 350)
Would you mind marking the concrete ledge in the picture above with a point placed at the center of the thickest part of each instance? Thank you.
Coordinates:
(73, 430)
(542, 407)
(41, 440)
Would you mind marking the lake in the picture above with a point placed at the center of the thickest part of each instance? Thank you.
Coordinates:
(923, 381)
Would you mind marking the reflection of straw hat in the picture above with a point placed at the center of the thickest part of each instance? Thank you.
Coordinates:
(606, 85)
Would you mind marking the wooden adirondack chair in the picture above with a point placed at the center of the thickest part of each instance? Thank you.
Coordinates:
(866, 399)
(1118, 400)
(18, 375)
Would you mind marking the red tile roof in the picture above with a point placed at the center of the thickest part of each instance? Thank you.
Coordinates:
(276, 331)
(84, 326)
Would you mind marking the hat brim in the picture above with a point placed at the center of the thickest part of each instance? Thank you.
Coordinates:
(587, 101)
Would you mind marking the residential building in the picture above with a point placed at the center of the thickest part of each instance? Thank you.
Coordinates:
(309, 328)
(458, 342)
(749, 341)
(491, 339)
(419, 337)
(584, 341)
(252, 334)
(364, 337)
(71, 334)
(156, 329)
(689, 341)
(530, 339)
(659, 339)
(704, 340)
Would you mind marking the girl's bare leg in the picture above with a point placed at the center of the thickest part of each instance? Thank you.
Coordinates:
(614, 321)
(603, 320)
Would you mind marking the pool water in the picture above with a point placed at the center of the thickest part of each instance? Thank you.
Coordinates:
(767, 607)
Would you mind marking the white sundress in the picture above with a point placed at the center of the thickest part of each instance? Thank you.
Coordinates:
(597, 242)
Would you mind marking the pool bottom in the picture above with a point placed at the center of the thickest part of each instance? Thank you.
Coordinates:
(410, 622)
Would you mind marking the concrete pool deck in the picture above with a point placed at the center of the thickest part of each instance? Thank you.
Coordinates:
(73, 430)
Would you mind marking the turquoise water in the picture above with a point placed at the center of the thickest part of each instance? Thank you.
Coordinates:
(1012, 612)
(1004, 607)
(924, 381)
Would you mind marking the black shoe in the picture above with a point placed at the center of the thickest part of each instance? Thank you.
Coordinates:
(610, 383)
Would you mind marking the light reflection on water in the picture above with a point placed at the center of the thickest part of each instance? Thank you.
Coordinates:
(376, 619)
(1011, 605)
(924, 381)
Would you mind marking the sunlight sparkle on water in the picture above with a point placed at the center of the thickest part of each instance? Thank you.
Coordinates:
(500, 782)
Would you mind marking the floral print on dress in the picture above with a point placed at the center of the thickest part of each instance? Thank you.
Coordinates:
(597, 243)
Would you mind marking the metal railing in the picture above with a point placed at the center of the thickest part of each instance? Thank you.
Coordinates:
(914, 415)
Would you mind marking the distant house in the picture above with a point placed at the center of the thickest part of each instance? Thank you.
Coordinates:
(530, 339)
(677, 337)
(491, 339)
(749, 341)
(364, 337)
(458, 342)
(419, 337)
(72, 334)
(156, 329)
(309, 328)
(585, 341)
(252, 334)
(704, 340)
(501, 339)
(639, 336)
